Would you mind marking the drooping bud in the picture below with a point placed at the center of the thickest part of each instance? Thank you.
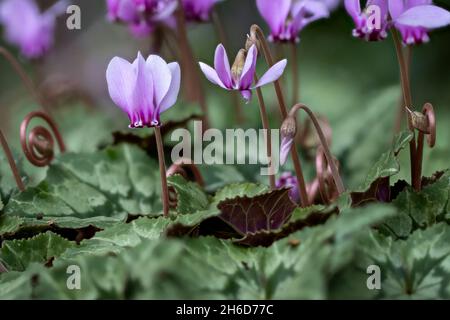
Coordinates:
(238, 65)
(419, 121)
(252, 40)
(287, 132)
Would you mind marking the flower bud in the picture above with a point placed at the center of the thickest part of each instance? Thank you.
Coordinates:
(238, 65)
(288, 131)
(251, 40)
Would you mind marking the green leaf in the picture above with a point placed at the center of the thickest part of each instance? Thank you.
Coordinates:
(420, 209)
(190, 197)
(388, 164)
(113, 182)
(9, 224)
(417, 268)
(18, 254)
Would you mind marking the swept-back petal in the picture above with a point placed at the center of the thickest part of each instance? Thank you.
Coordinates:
(273, 74)
(396, 8)
(211, 75)
(426, 16)
(161, 76)
(248, 72)
(172, 95)
(222, 65)
(275, 12)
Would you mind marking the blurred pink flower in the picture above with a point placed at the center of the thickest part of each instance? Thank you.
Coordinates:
(198, 10)
(286, 18)
(29, 29)
(143, 89)
(142, 16)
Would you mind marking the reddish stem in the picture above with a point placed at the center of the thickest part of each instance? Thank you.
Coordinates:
(162, 171)
(11, 161)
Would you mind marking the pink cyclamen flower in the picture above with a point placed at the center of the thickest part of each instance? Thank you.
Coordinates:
(286, 18)
(371, 23)
(243, 73)
(198, 10)
(288, 180)
(29, 29)
(414, 18)
(142, 16)
(143, 89)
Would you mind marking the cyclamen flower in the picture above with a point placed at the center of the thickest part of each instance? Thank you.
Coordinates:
(288, 180)
(143, 89)
(29, 29)
(414, 18)
(240, 76)
(142, 16)
(286, 18)
(198, 10)
(371, 23)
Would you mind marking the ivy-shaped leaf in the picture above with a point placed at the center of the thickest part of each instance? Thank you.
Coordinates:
(18, 254)
(376, 184)
(190, 197)
(113, 182)
(267, 211)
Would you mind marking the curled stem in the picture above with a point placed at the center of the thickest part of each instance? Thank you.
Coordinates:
(162, 171)
(267, 136)
(26, 80)
(11, 161)
(404, 78)
(334, 170)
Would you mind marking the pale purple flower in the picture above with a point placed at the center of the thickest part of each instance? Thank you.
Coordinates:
(198, 10)
(286, 18)
(288, 180)
(285, 148)
(242, 78)
(142, 16)
(414, 18)
(29, 29)
(371, 23)
(143, 89)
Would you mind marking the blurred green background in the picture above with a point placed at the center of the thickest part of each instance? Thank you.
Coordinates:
(353, 83)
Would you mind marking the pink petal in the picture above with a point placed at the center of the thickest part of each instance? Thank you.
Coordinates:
(161, 75)
(121, 80)
(396, 8)
(426, 16)
(353, 8)
(143, 90)
(272, 74)
(222, 65)
(171, 97)
(211, 75)
(248, 72)
(275, 12)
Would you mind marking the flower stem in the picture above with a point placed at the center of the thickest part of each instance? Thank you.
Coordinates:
(258, 34)
(11, 161)
(295, 74)
(334, 170)
(162, 171)
(189, 64)
(401, 102)
(26, 80)
(223, 39)
(404, 78)
(268, 136)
